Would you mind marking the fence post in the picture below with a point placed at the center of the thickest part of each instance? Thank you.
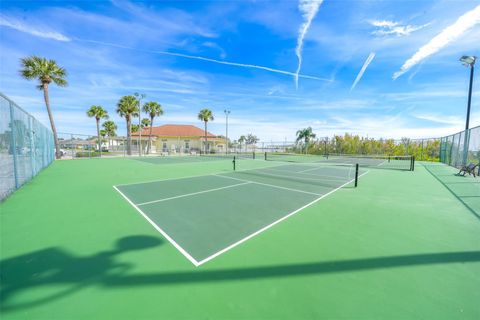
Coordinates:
(14, 147)
(31, 135)
(466, 144)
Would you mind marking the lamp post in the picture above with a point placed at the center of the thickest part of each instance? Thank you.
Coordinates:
(227, 112)
(468, 61)
(139, 96)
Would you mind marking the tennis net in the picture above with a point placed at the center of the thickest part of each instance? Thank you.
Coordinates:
(309, 177)
(406, 163)
(239, 155)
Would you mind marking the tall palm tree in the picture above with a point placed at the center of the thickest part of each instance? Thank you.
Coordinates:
(153, 109)
(110, 129)
(128, 107)
(98, 113)
(306, 135)
(205, 115)
(242, 140)
(46, 72)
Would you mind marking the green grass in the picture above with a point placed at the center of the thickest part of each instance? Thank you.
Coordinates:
(402, 245)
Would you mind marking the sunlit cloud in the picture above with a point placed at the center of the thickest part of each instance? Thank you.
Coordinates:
(392, 28)
(35, 31)
(186, 56)
(309, 9)
(443, 39)
(362, 70)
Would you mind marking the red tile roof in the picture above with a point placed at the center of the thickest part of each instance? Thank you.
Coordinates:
(175, 130)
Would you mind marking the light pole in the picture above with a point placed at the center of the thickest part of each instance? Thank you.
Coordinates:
(468, 61)
(141, 95)
(227, 112)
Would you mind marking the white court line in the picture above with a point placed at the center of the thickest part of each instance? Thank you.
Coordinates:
(268, 185)
(193, 193)
(176, 245)
(198, 263)
(273, 223)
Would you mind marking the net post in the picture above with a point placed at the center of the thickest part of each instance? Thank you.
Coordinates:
(265, 155)
(233, 163)
(253, 155)
(356, 175)
(412, 165)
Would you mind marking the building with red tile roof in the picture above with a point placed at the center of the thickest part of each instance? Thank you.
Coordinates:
(179, 138)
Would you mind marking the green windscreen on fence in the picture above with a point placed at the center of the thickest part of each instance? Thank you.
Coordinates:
(26, 146)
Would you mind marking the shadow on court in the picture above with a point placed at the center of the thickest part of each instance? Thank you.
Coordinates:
(22, 276)
(54, 266)
(465, 188)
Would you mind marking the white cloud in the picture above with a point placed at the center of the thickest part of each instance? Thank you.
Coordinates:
(451, 120)
(362, 70)
(235, 64)
(35, 31)
(387, 28)
(444, 38)
(309, 9)
(213, 45)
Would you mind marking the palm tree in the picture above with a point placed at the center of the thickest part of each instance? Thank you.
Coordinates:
(110, 129)
(205, 115)
(135, 128)
(241, 140)
(128, 107)
(153, 109)
(145, 123)
(98, 113)
(305, 135)
(46, 71)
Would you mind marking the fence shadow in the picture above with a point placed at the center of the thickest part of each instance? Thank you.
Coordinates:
(465, 188)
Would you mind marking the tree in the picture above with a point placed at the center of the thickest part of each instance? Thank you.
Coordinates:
(145, 123)
(306, 135)
(153, 109)
(110, 129)
(46, 72)
(98, 113)
(128, 107)
(242, 140)
(251, 139)
(135, 128)
(205, 115)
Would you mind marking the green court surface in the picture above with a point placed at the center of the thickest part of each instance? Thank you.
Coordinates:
(204, 216)
(270, 241)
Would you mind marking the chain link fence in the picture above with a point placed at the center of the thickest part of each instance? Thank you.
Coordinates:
(26, 146)
(461, 148)
(422, 149)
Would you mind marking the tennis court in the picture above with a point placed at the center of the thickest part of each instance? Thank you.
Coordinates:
(406, 163)
(403, 244)
(205, 216)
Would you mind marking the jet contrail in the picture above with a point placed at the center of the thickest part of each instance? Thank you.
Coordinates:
(235, 64)
(444, 38)
(362, 71)
(309, 9)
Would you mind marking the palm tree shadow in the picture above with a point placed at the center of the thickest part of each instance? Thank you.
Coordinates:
(449, 185)
(54, 266)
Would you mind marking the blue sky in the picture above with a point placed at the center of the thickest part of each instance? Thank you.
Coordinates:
(243, 55)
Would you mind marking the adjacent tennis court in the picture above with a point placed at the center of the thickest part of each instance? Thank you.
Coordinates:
(205, 216)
